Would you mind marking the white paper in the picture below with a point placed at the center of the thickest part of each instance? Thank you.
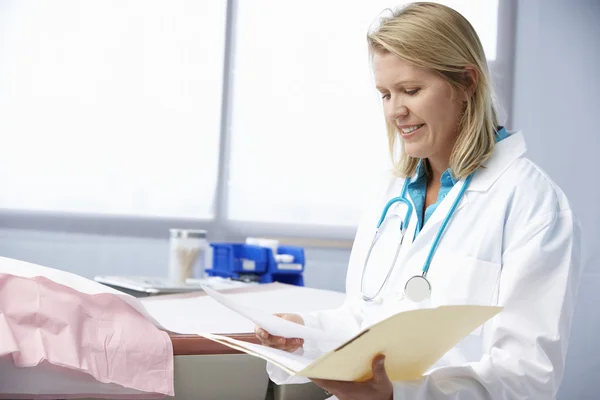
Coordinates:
(202, 314)
(191, 316)
(272, 324)
(292, 361)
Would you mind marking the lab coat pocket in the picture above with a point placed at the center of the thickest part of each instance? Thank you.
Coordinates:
(464, 280)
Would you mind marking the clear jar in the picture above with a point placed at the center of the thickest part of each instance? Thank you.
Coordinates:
(188, 254)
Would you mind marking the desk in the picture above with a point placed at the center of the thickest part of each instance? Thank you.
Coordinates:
(247, 377)
(204, 369)
(186, 345)
(208, 370)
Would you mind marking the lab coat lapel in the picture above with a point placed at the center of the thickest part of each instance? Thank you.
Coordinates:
(505, 153)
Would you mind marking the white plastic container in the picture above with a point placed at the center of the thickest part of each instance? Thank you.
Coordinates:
(188, 254)
(272, 244)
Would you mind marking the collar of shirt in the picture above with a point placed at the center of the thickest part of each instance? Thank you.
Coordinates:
(417, 188)
(447, 179)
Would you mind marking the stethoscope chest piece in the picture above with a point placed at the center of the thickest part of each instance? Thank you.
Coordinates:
(417, 289)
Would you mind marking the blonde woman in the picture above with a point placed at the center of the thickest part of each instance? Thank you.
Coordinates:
(486, 226)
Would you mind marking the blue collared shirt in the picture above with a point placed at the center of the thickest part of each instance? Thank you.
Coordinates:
(417, 188)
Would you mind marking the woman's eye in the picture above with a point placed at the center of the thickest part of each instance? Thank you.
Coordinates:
(412, 92)
(385, 97)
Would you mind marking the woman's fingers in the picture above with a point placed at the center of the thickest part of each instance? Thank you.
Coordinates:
(260, 333)
(287, 344)
(277, 342)
(292, 317)
(290, 344)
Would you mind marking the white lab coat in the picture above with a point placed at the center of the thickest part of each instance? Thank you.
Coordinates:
(512, 241)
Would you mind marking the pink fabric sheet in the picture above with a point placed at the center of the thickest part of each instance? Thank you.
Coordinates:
(100, 335)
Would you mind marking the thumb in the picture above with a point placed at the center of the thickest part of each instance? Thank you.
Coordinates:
(379, 373)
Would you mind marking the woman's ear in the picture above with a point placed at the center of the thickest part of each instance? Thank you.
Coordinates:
(470, 79)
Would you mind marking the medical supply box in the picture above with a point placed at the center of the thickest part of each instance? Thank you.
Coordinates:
(258, 264)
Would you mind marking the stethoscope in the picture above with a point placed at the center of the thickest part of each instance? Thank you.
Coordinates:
(418, 287)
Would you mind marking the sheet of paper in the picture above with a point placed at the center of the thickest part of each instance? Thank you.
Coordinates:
(202, 314)
(193, 315)
(274, 325)
(293, 362)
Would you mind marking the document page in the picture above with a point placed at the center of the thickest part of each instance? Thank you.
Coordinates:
(291, 362)
(273, 324)
(201, 313)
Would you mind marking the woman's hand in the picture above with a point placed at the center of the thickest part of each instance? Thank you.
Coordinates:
(379, 387)
(279, 342)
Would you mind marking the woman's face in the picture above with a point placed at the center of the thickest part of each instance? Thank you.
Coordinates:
(421, 105)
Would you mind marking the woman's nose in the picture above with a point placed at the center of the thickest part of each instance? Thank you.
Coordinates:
(397, 110)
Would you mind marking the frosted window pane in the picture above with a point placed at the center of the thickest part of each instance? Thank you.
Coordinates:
(308, 136)
(111, 107)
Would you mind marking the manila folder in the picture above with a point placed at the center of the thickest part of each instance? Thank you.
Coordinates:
(412, 342)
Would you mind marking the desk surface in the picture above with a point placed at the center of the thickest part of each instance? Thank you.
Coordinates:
(184, 344)
(191, 345)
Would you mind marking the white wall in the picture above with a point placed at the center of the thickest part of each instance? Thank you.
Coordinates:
(557, 105)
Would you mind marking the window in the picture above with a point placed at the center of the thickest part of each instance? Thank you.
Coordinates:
(111, 107)
(308, 135)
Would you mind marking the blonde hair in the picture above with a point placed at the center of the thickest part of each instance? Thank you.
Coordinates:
(436, 37)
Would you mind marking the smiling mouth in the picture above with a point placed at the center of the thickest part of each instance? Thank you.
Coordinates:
(410, 130)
